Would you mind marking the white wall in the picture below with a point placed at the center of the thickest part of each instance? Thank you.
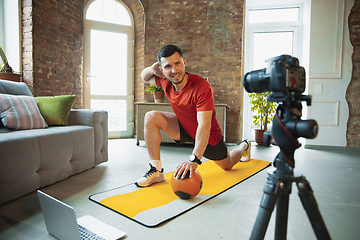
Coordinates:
(329, 70)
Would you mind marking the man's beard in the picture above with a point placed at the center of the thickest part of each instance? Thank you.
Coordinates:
(177, 82)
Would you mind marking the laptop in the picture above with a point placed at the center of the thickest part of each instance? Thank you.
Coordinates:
(61, 222)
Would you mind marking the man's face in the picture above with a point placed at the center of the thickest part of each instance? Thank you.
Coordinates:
(173, 68)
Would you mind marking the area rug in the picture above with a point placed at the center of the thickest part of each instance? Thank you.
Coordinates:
(157, 204)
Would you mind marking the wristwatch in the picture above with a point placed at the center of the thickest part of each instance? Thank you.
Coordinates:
(193, 158)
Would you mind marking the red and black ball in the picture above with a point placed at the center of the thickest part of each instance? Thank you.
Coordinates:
(188, 187)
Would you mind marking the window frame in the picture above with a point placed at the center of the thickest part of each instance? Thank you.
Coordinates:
(252, 31)
(273, 8)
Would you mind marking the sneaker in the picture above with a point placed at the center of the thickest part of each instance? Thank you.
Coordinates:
(246, 154)
(152, 176)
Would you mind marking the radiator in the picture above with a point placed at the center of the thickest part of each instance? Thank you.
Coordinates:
(142, 108)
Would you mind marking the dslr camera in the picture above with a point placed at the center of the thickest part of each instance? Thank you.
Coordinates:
(283, 77)
(286, 80)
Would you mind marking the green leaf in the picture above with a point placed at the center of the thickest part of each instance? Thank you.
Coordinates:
(152, 88)
(263, 111)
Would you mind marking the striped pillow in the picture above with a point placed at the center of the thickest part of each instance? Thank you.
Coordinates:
(20, 112)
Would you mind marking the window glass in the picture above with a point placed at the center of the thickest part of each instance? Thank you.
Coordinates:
(271, 44)
(9, 32)
(110, 11)
(108, 62)
(1, 28)
(273, 15)
(116, 112)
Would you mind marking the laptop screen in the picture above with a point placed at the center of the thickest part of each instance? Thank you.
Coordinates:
(60, 218)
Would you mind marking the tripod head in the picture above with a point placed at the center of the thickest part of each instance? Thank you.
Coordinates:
(287, 128)
(286, 80)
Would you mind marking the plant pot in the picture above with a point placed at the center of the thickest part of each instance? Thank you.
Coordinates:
(10, 76)
(259, 136)
(159, 97)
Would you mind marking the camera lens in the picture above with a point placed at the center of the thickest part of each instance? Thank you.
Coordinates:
(257, 81)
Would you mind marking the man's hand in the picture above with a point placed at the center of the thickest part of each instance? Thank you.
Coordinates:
(183, 168)
(149, 73)
(157, 71)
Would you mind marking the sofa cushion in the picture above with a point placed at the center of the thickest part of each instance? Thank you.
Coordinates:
(14, 88)
(55, 110)
(20, 112)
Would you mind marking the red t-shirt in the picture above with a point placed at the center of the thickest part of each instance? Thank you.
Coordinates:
(196, 96)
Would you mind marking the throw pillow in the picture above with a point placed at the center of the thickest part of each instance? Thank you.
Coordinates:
(56, 110)
(20, 112)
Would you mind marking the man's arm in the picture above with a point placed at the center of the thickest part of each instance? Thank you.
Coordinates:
(202, 132)
(201, 142)
(149, 73)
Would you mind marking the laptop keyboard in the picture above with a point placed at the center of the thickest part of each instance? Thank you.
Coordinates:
(87, 234)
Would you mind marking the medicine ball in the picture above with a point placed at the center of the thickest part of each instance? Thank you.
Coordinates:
(188, 187)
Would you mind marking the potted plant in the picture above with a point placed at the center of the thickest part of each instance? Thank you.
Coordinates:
(158, 93)
(6, 72)
(5, 67)
(263, 113)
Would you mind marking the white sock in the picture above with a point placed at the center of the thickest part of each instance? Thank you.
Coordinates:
(156, 163)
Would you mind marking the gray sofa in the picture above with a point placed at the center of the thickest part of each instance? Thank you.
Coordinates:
(31, 159)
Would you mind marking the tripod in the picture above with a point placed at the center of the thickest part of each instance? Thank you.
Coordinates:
(287, 127)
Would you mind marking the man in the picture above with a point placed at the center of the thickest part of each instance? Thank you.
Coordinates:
(192, 100)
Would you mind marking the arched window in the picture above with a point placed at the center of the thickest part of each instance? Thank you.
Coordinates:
(108, 63)
(109, 11)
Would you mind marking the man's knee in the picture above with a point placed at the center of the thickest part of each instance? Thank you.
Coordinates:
(226, 167)
(151, 116)
(225, 164)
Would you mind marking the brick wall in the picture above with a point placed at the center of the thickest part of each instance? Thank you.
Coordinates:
(137, 11)
(52, 49)
(353, 91)
(27, 44)
(210, 34)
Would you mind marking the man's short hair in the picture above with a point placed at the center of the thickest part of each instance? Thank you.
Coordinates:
(167, 51)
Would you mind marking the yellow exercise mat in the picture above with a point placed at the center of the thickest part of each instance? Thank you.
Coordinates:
(154, 205)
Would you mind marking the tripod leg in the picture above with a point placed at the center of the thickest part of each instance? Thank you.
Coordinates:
(309, 203)
(272, 190)
(282, 210)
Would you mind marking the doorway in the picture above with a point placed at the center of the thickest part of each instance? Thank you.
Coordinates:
(270, 30)
(109, 64)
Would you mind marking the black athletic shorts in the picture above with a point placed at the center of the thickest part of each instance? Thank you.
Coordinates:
(215, 153)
